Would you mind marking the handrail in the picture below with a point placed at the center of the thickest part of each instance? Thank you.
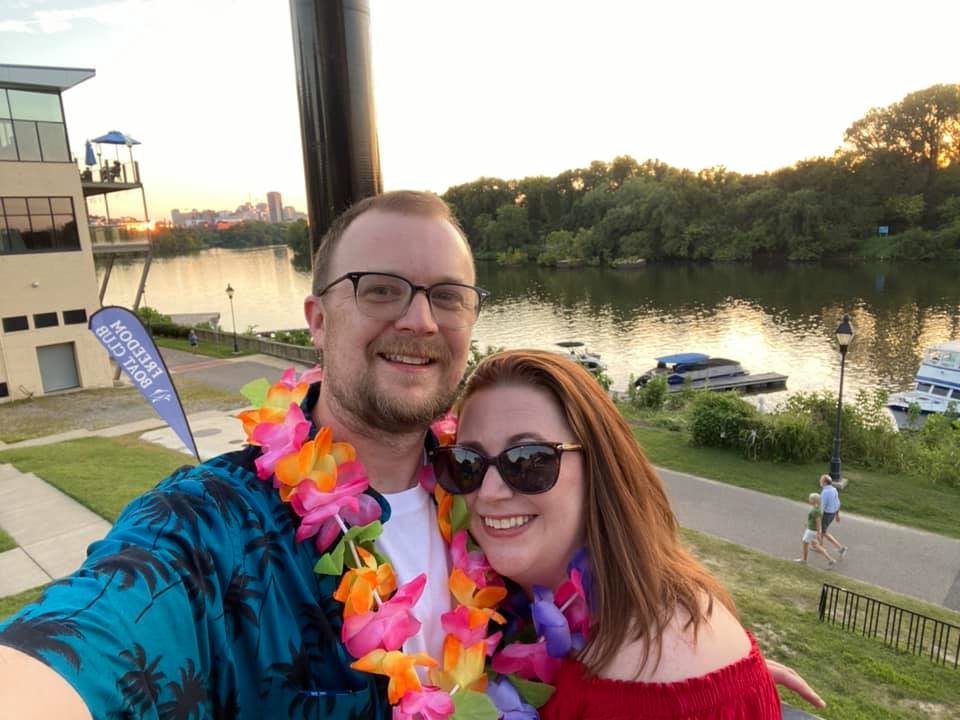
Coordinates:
(898, 627)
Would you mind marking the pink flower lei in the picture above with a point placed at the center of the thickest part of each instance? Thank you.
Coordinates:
(326, 487)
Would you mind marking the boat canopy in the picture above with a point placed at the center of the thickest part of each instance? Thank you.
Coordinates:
(682, 358)
(570, 344)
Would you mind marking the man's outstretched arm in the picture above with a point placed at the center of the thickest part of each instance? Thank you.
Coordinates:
(30, 689)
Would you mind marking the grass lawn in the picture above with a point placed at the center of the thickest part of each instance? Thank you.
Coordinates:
(12, 603)
(860, 678)
(902, 500)
(6, 542)
(204, 348)
(95, 409)
(77, 467)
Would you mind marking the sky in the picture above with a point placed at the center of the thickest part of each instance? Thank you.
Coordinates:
(470, 88)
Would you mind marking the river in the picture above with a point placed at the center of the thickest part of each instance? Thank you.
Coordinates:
(773, 318)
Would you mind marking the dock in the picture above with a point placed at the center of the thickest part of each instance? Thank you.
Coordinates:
(758, 382)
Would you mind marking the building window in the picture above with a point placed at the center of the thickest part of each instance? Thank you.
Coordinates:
(75, 317)
(4, 392)
(37, 224)
(32, 127)
(15, 323)
(48, 319)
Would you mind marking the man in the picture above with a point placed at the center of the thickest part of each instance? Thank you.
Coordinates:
(830, 507)
(200, 602)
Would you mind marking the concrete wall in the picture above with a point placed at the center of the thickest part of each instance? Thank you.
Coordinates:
(48, 282)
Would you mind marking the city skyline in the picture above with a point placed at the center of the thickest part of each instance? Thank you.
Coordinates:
(465, 90)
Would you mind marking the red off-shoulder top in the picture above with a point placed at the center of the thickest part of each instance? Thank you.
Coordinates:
(743, 690)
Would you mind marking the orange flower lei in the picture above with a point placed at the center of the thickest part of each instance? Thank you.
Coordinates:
(325, 485)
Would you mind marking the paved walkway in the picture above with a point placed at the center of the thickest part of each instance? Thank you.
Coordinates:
(908, 561)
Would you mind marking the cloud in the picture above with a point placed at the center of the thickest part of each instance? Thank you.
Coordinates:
(15, 26)
(59, 21)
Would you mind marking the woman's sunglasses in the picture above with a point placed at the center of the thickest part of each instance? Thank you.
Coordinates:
(528, 468)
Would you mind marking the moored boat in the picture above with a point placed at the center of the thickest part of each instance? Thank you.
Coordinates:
(578, 352)
(691, 367)
(937, 385)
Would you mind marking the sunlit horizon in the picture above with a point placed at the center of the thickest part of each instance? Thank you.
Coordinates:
(468, 89)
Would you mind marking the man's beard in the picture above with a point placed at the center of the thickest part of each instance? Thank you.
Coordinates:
(388, 409)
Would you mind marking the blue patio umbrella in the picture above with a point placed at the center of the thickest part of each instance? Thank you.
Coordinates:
(90, 159)
(115, 137)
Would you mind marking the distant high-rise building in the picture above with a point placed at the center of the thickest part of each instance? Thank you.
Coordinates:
(276, 207)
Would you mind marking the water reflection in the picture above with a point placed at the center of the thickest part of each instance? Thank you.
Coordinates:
(778, 318)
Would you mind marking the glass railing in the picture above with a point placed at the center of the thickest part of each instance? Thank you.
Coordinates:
(116, 235)
(127, 173)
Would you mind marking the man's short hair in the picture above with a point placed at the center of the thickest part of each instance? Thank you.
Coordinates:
(406, 202)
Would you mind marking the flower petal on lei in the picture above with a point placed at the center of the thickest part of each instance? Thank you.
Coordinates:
(550, 623)
(445, 429)
(428, 704)
(388, 627)
(529, 661)
(279, 439)
(315, 507)
(398, 666)
(467, 592)
(469, 625)
(463, 666)
(473, 563)
(509, 702)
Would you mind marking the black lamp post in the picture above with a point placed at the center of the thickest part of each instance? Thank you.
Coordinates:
(233, 315)
(844, 338)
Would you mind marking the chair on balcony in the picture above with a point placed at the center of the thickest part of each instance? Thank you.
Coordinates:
(86, 175)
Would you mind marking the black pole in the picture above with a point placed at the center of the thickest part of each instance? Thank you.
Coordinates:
(236, 350)
(341, 155)
(835, 460)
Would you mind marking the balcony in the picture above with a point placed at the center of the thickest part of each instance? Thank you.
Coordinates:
(112, 176)
(116, 240)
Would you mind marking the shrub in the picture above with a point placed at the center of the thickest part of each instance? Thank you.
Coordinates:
(788, 437)
(168, 329)
(151, 316)
(721, 419)
(651, 395)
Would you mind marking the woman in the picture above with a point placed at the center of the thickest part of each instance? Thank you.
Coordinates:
(549, 466)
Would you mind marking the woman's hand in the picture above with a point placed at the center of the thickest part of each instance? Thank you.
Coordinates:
(788, 678)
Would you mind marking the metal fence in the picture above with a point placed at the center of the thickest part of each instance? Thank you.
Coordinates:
(249, 343)
(899, 628)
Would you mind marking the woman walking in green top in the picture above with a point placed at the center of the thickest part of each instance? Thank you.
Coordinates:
(812, 536)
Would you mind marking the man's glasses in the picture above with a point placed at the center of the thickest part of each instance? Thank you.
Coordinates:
(529, 468)
(387, 297)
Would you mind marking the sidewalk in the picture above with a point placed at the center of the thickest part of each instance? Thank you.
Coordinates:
(913, 562)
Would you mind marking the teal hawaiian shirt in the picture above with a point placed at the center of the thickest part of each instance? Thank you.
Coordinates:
(200, 604)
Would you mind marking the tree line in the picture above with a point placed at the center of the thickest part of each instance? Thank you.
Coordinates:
(892, 190)
(179, 241)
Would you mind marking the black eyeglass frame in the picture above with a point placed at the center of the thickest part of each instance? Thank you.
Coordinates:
(356, 276)
(558, 448)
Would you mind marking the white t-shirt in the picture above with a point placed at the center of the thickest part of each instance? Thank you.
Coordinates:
(412, 541)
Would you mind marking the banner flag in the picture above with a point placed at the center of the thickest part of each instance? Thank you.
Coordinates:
(120, 331)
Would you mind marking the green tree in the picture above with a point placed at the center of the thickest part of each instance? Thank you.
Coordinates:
(298, 238)
(923, 129)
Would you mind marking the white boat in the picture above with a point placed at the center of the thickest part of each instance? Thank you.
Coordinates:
(578, 352)
(696, 368)
(937, 386)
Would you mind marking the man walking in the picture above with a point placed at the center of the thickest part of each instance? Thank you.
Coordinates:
(830, 509)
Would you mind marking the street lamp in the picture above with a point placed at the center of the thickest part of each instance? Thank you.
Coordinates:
(233, 315)
(844, 338)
